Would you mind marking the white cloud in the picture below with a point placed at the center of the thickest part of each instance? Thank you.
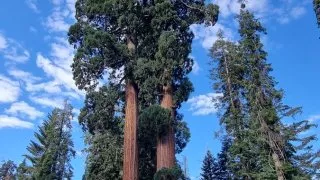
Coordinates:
(24, 108)
(13, 122)
(9, 90)
(297, 12)
(56, 23)
(314, 118)
(63, 14)
(231, 7)
(3, 42)
(23, 75)
(195, 67)
(59, 74)
(32, 4)
(208, 35)
(52, 102)
(13, 50)
(204, 104)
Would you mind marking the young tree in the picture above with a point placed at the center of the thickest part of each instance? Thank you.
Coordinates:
(102, 122)
(8, 170)
(223, 171)
(51, 155)
(209, 167)
(23, 171)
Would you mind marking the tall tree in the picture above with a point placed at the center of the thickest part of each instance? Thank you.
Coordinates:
(51, 155)
(8, 170)
(109, 35)
(316, 6)
(209, 167)
(102, 121)
(173, 38)
(253, 109)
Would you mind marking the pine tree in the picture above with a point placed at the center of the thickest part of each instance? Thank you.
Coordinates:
(209, 167)
(23, 171)
(103, 125)
(223, 172)
(8, 170)
(252, 110)
(51, 155)
(316, 6)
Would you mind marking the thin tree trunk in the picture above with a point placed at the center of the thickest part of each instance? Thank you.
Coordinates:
(130, 161)
(278, 165)
(166, 144)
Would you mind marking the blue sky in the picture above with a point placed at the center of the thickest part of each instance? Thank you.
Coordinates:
(35, 73)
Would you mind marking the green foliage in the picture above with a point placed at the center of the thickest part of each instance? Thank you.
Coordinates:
(252, 110)
(24, 171)
(174, 173)
(316, 6)
(157, 117)
(151, 41)
(223, 172)
(8, 170)
(104, 160)
(51, 155)
(209, 167)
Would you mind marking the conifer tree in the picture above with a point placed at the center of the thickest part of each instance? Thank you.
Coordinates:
(8, 170)
(262, 148)
(173, 38)
(223, 160)
(209, 167)
(51, 155)
(102, 121)
(103, 126)
(23, 171)
(110, 35)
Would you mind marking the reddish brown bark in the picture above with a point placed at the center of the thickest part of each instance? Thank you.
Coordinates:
(166, 143)
(130, 162)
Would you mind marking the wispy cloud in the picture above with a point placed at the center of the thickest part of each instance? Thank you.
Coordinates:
(204, 104)
(23, 108)
(13, 50)
(314, 118)
(3, 42)
(32, 4)
(13, 122)
(9, 90)
(46, 101)
(208, 35)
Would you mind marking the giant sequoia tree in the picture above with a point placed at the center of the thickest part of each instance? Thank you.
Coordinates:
(253, 110)
(170, 26)
(109, 35)
(142, 37)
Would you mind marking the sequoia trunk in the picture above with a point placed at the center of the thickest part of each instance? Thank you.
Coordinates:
(130, 162)
(130, 157)
(166, 143)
